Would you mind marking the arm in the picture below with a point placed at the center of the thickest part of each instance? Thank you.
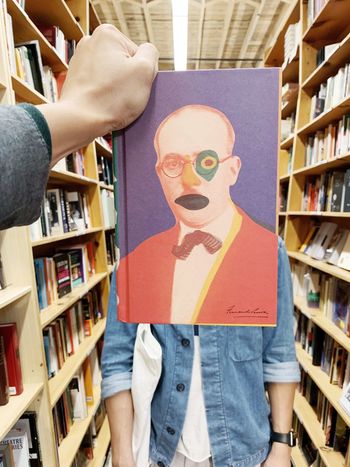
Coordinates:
(281, 369)
(33, 138)
(116, 365)
(281, 397)
(120, 417)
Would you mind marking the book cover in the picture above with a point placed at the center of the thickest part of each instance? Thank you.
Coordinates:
(10, 336)
(344, 257)
(6, 455)
(20, 448)
(341, 305)
(4, 382)
(28, 424)
(196, 216)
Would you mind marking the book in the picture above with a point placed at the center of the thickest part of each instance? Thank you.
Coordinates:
(62, 263)
(341, 305)
(188, 131)
(13, 363)
(35, 63)
(19, 442)
(6, 455)
(28, 424)
(344, 257)
(4, 382)
(77, 391)
(346, 204)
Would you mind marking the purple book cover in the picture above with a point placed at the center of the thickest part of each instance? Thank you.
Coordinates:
(197, 185)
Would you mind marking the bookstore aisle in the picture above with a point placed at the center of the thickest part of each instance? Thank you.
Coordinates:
(313, 49)
(55, 274)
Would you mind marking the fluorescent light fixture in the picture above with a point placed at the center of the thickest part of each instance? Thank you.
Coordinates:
(180, 33)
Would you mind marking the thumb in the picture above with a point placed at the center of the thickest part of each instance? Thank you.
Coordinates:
(150, 54)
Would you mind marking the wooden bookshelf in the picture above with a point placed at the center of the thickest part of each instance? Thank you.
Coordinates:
(58, 383)
(11, 412)
(298, 459)
(330, 26)
(102, 443)
(71, 443)
(19, 301)
(331, 391)
(102, 150)
(308, 418)
(106, 187)
(12, 293)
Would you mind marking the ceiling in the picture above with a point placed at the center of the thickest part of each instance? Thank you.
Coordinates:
(221, 33)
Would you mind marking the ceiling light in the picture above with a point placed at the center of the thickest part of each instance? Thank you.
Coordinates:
(180, 33)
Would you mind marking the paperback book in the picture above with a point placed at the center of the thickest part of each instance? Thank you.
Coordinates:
(196, 216)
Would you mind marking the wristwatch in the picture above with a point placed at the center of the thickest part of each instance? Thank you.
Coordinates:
(286, 438)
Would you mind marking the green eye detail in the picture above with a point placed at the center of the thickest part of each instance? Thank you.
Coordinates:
(207, 163)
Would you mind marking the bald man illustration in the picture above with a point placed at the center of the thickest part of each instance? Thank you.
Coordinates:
(215, 265)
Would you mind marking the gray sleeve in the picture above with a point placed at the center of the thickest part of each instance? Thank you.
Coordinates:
(25, 155)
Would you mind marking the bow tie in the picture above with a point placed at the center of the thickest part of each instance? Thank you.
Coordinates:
(211, 244)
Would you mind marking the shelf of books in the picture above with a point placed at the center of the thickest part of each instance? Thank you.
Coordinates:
(51, 330)
(315, 216)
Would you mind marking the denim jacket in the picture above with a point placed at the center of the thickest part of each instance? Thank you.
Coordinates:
(236, 361)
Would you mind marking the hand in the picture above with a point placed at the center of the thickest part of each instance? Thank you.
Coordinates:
(279, 456)
(109, 79)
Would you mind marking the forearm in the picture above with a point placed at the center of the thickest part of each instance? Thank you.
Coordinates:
(70, 128)
(120, 416)
(281, 396)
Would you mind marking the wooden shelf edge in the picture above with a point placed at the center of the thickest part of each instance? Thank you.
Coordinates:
(331, 391)
(102, 443)
(103, 151)
(324, 165)
(71, 177)
(50, 313)
(308, 419)
(317, 316)
(287, 143)
(320, 213)
(320, 265)
(25, 92)
(106, 187)
(12, 293)
(297, 457)
(58, 383)
(11, 412)
(58, 238)
(70, 444)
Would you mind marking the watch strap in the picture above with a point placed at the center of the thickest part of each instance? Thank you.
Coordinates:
(286, 438)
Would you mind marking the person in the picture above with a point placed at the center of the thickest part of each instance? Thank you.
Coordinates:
(165, 281)
(209, 407)
(107, 87)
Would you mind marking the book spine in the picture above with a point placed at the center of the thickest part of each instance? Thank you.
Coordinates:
(4, 383)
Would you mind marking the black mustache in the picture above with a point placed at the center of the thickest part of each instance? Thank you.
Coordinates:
(192, 202)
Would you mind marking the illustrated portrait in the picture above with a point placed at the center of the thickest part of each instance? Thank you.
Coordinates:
(193, 251)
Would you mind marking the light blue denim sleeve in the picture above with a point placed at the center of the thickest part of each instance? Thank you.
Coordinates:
(279, 359)
(118, 349)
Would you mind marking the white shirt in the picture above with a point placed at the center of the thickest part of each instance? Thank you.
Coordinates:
(194, 442)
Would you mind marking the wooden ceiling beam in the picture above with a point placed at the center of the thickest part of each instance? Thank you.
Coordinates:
(250, 31)
(287, 9)
(228, 17)
(121, 18)
(200, 32)
(148, 20)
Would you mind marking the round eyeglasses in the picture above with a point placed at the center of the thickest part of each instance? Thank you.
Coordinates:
(206, 163)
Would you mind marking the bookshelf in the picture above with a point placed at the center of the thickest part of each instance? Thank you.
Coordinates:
(19, 300)
(317, 29)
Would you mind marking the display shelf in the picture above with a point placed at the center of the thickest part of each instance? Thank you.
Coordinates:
(284, 178)
(290, 71)
(321, 266)
(331, 20)
(58, 14)
(275, 55)
(287, 143)
(331, 391)
(320, 213)
(58, 383)
(58, 238)
(25, 30)
(103, 151)
(64, 177)
(289, 106)
(25, 93)
(106, 187)
(319, 168)
(51, 312)
(12, 293)
(11, 412)
(308, 418)
(317, 316)
(102, 443)
(330, 66)
(298, 459)
(94, 19)
(70, 444)
(335, 113)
